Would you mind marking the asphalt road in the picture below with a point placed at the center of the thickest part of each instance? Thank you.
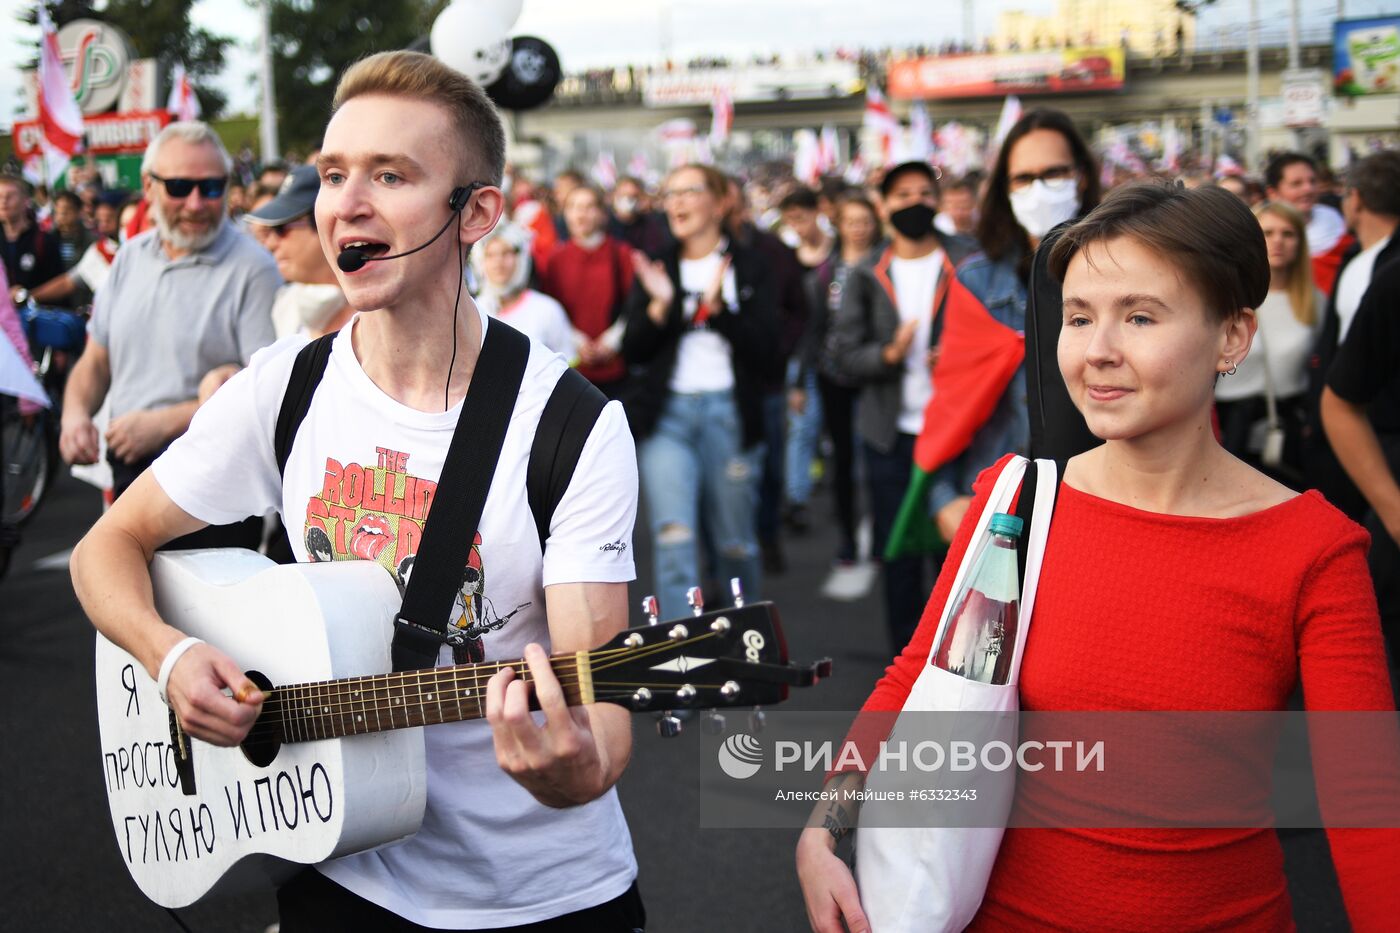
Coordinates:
(59, 864)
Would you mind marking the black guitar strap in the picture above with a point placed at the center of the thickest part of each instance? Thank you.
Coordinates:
(1025, 508)
(421, 628)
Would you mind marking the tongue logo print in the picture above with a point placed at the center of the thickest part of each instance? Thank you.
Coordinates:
(377, 513)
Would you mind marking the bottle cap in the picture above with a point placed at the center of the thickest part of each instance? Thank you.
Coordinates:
(1009, 525)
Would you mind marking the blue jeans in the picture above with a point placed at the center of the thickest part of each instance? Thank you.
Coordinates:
(804, 430)
(693, 460)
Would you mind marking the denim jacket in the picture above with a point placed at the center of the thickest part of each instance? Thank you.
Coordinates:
(1001, 291)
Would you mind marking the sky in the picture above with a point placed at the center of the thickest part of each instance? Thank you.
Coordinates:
(596, 33)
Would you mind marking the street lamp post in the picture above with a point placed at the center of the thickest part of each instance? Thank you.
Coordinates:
(268, 123)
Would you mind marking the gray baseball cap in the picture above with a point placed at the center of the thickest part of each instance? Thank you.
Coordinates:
(296, 198)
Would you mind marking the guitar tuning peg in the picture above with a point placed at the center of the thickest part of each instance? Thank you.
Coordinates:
(668, 725)
(696, 600)
(736, 589)
(651, 610)
(757, 720)
(712, 723)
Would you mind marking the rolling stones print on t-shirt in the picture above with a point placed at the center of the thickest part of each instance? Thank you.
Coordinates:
(377, 513)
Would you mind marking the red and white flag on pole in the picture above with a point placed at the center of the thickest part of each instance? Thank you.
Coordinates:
(722, 108)
(880, 119)
(828, 150)
(605, 170)
(183, 103)
(1010, 113)
(59, 117)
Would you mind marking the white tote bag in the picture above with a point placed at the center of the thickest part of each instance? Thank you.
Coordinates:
(931, 879)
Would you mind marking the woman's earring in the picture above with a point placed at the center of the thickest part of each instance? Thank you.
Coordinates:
(1231, 370)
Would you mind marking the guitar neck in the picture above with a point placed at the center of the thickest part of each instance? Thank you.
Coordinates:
(333, 709)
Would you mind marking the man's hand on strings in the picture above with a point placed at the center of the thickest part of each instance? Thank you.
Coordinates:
(559, 762)
(198, 682)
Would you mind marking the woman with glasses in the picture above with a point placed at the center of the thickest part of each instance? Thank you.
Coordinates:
(702, 343)
(1044, 175)
(1261, 401)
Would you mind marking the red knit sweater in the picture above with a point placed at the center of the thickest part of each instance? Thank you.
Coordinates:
(1199, 614)
(589, 284)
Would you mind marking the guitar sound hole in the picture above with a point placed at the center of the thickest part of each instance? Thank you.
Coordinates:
(261, 745)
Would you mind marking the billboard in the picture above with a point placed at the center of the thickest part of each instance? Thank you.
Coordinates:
(1366, 56)
(117, 141)
(1054, 71)
(699, 86)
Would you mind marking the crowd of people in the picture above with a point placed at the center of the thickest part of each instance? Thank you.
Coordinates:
(1198, 356)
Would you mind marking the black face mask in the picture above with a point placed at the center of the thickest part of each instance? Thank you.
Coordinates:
(914, 221)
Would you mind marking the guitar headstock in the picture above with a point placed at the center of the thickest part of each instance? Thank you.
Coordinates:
(730, 657)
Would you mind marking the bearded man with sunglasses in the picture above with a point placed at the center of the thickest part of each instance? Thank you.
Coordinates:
(189, 296)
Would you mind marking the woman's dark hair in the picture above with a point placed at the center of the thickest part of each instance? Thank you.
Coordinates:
(1209, 235)
(998, 233)
(799, 198)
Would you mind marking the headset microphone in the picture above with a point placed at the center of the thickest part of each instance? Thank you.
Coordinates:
(353, 260)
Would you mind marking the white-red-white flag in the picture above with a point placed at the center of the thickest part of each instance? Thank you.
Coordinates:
(828, 150)
(59, 117)
(806, 159)
(879, 118)
(605, 170)
(722, 120)
(183, 103)
(920, 133)
(1010, 113)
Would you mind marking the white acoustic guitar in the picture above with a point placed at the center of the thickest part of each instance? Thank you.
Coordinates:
(335, 762)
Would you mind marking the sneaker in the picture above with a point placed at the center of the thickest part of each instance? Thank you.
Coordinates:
(849, 581)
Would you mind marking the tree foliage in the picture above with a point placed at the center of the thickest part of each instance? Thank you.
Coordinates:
(313, 43)
(159, 29)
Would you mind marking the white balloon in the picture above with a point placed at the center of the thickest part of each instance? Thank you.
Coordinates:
(470, 35)
(509, 10)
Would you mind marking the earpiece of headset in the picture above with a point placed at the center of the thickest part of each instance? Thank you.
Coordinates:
(457, 201)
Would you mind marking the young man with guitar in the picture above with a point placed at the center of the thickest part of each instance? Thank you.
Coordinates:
(522, 829)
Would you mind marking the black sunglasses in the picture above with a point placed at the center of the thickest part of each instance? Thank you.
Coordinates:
(209, 188)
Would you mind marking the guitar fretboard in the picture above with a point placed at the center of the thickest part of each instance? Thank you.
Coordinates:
(333, 709)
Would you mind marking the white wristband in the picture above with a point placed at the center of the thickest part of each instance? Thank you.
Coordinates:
(168, 665)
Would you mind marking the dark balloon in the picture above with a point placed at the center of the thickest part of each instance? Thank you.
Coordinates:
(530, 77)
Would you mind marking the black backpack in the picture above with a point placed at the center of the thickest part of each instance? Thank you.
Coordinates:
(567, 421)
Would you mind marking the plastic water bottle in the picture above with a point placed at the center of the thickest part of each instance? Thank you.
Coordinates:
(980, 638)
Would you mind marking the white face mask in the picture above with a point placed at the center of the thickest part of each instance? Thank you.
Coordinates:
(314, 305)
(1041, 205)
(625, 206)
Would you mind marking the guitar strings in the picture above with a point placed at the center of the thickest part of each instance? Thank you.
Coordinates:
(610, 690)
(344, 697)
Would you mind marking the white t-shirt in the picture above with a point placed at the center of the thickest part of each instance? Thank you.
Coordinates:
(1284, 342)
(488, 854)
(704, 360)
(537, 315)
(1325, 227)
(915, 284)
(1352, 285)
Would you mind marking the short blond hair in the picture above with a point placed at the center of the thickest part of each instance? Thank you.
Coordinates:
(422, 77)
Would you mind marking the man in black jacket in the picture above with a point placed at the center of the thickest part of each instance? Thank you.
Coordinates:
(1371, 205)
(882, 338)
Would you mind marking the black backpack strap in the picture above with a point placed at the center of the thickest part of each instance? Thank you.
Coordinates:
(1025, 507)
(565, 425)
(307, 371)
(455, 518)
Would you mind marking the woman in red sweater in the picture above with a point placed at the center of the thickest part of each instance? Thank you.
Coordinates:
(590, 274)
(1218, 588)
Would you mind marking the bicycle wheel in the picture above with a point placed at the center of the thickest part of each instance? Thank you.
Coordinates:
(30, 463)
